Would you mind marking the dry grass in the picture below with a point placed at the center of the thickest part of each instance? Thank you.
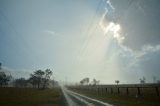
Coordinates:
(29, 97)
(124, 100)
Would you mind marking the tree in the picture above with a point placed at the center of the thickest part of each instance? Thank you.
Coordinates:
(33, 80)
(46, 78)
(87, 80)
(142, 80)
(95, 82)
(36, 78)
(40, 78)
(21, 82)
(4, 79)
(84, 81)
(117, 82)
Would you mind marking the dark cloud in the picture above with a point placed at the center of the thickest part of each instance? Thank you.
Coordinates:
(139, 20)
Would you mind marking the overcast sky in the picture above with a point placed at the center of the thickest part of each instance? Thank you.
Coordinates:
(104, 39)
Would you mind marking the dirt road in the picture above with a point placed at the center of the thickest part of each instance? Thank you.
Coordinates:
(74, 99)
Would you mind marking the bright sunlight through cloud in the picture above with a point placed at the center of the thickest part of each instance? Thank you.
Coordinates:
(112, 28)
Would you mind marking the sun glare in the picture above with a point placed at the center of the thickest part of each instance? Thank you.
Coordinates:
(112, 29)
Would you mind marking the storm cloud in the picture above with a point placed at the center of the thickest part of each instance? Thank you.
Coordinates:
(139, 20)
(139, 50)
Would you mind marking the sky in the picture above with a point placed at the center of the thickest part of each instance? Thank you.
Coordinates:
(103, 39)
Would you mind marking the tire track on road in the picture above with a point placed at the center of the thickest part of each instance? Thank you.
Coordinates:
(75, 99)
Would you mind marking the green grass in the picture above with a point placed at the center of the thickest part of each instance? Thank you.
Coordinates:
(123, 100)
(29, 97)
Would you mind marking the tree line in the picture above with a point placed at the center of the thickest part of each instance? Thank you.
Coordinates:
(86, 81)
(38, 79)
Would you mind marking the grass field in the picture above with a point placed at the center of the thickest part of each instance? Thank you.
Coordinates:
(123, 100)
(29, 97)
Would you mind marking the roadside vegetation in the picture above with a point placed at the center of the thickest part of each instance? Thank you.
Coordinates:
(40, 79)
(122, 100)
(37, 90)
(121, 95)
(29, 97)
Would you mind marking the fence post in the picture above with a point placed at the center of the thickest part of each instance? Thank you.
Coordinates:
(111, 90)
(157, 91)
(102, 90)
(118, 91)
(127, 90)
(139, 92)
(98, 90)
(106, 90)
